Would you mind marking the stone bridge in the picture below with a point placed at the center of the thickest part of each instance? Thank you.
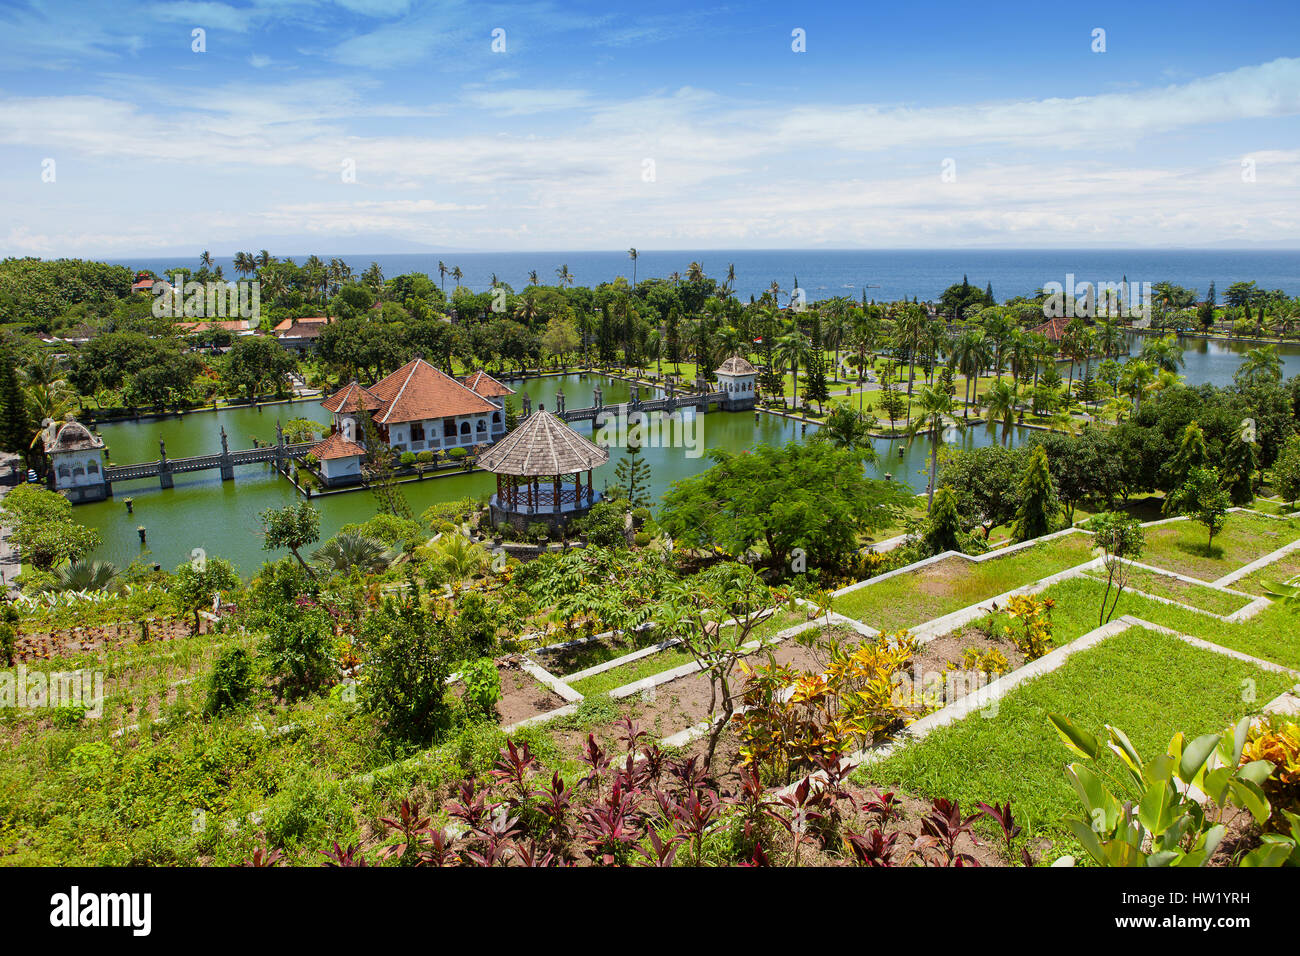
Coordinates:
(165, 468)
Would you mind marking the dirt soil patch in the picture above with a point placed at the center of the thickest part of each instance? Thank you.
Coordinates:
(523, 697)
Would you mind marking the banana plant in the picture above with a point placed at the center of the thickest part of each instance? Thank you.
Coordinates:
(1158, 818)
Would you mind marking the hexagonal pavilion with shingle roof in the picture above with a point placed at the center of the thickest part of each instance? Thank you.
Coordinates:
(542, 449)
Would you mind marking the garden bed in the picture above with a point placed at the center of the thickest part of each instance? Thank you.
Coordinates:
(1180, 546)
(1184, 592)
(913, 598)
(1149, 684)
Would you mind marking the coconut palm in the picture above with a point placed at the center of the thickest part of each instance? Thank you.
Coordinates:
(845, 428)
(442, 276)
(971, 352)
(532, 277)
(793, 346)
(86, 576)
(934, 415)
(457, 275)
(564, 275)
(1002, 399)
(348, 550)
(632, 254)
(1135, 378)
(264, 258)
(1260, 366)
(1163, 352)
(205, 260)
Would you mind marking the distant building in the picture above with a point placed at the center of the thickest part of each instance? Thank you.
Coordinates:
(76, 461)
(736, 377)
(299, 335)
(417, 408)
(1053, 329)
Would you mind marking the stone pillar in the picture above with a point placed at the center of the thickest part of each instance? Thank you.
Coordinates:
(227, 462)
(559, 403)
(164, 469)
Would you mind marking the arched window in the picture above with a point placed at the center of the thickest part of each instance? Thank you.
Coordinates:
(449, 428)
(464, 428)
(481, 426)
(93, 468)
(65, 471)
(496, 418)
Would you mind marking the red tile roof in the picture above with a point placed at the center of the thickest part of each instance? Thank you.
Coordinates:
(481, 383)
(1053, 328)
(417, 391)
(351, 398)
(230, 325)
(142, 284)
(336, 446)
(285, 324)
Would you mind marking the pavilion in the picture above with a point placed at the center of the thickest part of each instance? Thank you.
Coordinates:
(542, 451)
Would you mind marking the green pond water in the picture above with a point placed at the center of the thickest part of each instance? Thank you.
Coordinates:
(221, 518)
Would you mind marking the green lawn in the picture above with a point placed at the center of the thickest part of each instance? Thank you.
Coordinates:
(665, 660)
(907, 600)
(1273, 634)
(1147, 684)
(1181, 546)
(1280, 571)
(1175, 589)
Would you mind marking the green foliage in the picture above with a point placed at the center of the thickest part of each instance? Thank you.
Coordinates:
(299, 649)
(604, 524)
(195, 584)
(294, 526)
(231, 682)
(1039, 506)
(1203, 499)
(406, 653)
(44, 530)
(1154, 821)
(482, 687)
(814, 497)
(1121, 540)
(633, 473)
(943, 524)
(1286, 471)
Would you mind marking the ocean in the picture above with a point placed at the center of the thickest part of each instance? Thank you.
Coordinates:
(883, 275)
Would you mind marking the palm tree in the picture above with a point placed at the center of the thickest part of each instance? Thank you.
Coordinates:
(442, 276)
(85, 576)
(934, 414)
(1164, 352)
(1135, 378)
(971, 352)
(459, 557)
(1001, 399)
(264, 258)
(632, 254)
(845, 428)
(244, 263)
(205, 260)
(457, 275)
(1260, 366)
(532, 277)
(564, 275)
(348, 550)
(793, 346)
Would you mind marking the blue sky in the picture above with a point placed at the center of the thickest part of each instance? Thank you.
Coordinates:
(657, 125)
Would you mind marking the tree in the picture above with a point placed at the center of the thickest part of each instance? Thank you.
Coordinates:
(44, 531)
(814, 497)
(934, 417)
(407, 652)
(1039, 506)
(633, 472)
(1286, 471)
(845, 428)
(1260, 366)
(815, 388)
(1240, 461)
(299, 648)
(195, 584)
(943, 524)
(295, 527)
(255, 363)
(1121, 540)
(1203, 499)
(713, 616)
(348, 550)
(986, 481)
(1191, 454)
(15, 427)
